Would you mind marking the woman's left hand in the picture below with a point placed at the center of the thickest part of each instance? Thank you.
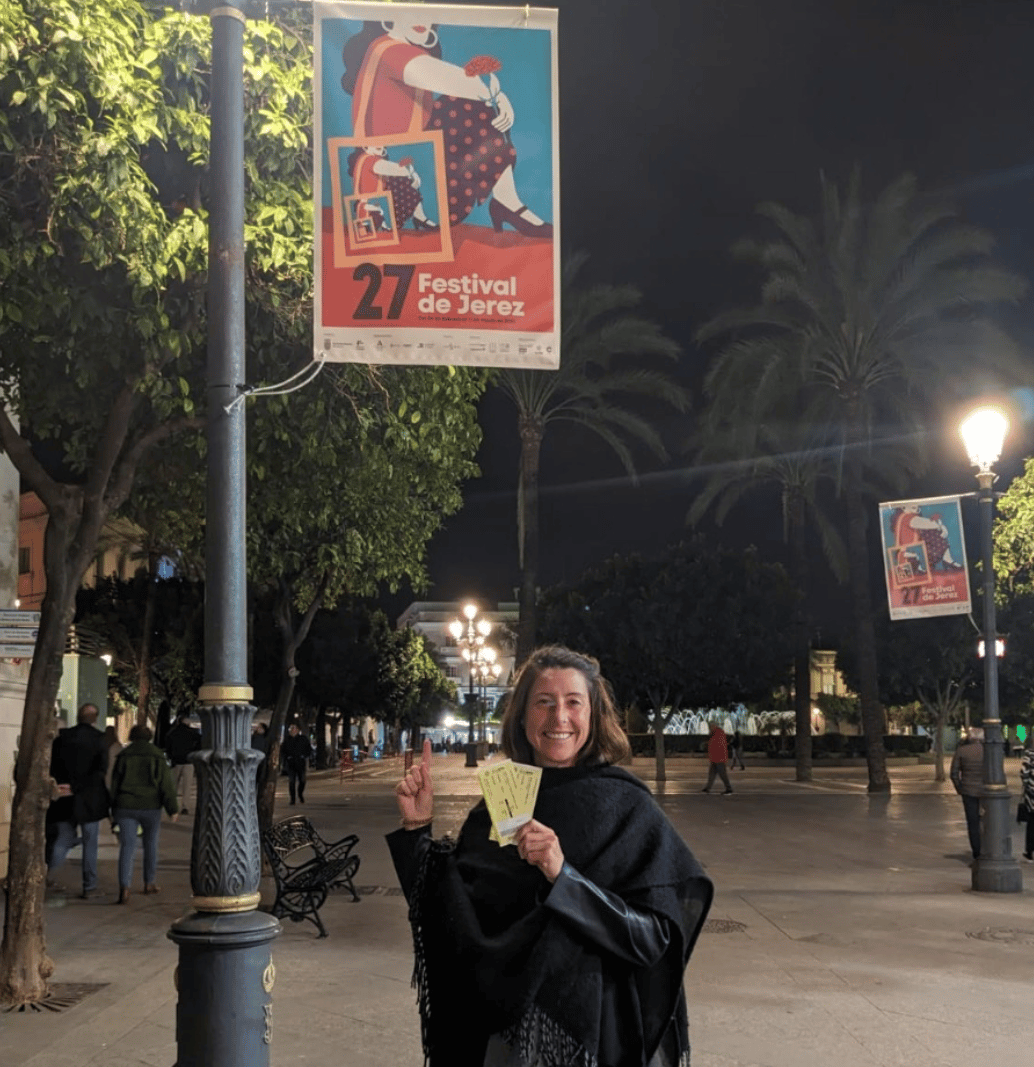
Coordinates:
(540, 846)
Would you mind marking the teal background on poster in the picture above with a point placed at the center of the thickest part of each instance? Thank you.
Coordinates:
(525, 78)
(949, 512)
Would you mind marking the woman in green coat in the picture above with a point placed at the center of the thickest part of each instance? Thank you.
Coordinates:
(141, 785)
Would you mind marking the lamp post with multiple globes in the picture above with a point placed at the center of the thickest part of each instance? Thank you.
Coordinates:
(471, 633)
(488, 671)
(996, 869)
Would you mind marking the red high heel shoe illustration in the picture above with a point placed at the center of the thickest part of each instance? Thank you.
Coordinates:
(499, 214)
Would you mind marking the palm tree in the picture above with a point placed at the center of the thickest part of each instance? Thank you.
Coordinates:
(590, 389)
(792, 456)
(884, 305)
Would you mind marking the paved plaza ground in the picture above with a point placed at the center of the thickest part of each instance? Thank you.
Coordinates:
(843, 934)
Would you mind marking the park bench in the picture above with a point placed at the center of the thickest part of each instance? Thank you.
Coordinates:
(302, 887)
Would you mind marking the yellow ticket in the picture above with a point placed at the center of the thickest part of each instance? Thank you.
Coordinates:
(510, 790)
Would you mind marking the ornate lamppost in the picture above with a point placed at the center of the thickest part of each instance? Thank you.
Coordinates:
(996, 869)
(471, 636)
(224, 981)
(488, 672)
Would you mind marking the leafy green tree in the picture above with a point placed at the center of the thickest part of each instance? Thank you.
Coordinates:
(412, 684)
(356, 661)
(350, 497)
(876, 308)
(103, 257)
(169, 652)
(595, 387)
(932, 661)
(694, 628)
(1013, 544)
(1013, 548)
(839, 709)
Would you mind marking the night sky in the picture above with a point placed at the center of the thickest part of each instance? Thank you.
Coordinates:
(694, 113)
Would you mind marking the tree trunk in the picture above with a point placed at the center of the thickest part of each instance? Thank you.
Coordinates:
(144, 673)
(24, 965)
(658, 744)
(873, 722)
(292, 639)
(267, 787)
(321, 739)
(802, 639)
(938, 742)
(531, 431)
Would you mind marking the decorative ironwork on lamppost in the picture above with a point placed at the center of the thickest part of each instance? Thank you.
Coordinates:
(996, 869)
(488, 672)
(471, 636)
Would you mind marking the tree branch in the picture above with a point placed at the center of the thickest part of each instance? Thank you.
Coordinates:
(122, 478)
(31, 470)
(116, 429)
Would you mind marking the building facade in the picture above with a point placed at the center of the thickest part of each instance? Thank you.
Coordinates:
(14, 672)
(431, 619)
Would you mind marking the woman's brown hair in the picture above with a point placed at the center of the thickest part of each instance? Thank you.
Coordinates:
(607, 741)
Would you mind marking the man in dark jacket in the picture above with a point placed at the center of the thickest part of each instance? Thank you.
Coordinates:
(78, 762)
(180, 741)
(296, 751)
(967, 775)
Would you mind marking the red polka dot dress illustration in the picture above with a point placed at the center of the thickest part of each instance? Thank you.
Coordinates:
(401, 84)
(476, 153)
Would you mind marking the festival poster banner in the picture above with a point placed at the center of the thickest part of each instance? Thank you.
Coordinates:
(436, 185)
(924, 557)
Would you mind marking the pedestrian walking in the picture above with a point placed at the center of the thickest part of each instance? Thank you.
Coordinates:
(78, 761)
(1027, 782)
(260, 742)
(717, 756)
(967, 775)
(143, 784)
(571, 947)
(736, 751)
(180, 742)
(114, 746)
(296, 751)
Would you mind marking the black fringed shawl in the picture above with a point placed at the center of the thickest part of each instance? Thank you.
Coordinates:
(491, 959)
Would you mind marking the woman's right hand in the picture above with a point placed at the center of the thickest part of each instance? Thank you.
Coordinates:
(504, 120)
(415, 793)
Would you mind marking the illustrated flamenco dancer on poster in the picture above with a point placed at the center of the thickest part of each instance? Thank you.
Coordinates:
(373, 172)
(400, 84)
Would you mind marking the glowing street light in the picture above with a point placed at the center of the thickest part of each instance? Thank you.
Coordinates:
(995, 870)
(471, 636)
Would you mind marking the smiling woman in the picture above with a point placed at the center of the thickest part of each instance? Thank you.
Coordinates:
(569, 949)
(557, 720)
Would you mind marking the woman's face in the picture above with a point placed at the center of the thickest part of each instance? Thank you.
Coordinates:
(558, 716)
(418, 33)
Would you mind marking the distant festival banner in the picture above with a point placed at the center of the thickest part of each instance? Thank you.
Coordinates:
(924, 556)
(436, 185)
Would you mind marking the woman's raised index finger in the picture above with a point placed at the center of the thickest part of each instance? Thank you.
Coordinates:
(427, 751)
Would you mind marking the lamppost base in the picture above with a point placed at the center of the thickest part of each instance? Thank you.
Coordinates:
(224, 981)
(997, 875)
(472, 754)
(996, 870)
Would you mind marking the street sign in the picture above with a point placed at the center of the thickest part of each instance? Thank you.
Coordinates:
(16, 651)
(14, 617)
(17, 634)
